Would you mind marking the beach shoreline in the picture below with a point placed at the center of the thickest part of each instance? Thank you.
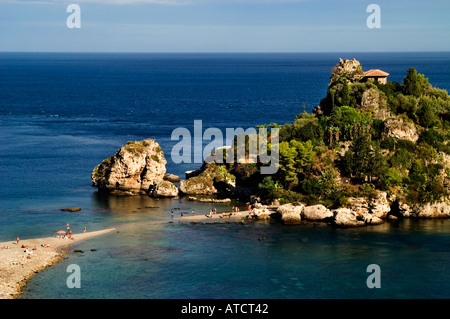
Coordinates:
(20, 261)
(223, 217)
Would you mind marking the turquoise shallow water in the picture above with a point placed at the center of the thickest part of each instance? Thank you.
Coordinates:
(177, 260)
(62, 114)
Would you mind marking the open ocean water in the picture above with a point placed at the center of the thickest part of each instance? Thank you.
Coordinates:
(61, 114)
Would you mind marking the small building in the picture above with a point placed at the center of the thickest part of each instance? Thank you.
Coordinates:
(376, 75)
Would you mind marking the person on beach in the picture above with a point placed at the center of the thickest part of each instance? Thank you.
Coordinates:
(193, 212)
(84, 229)
(17, 240)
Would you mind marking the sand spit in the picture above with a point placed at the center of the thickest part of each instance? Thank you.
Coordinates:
(20, 261)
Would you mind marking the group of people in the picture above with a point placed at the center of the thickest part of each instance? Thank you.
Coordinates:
(28, 250)
(235, 209)
(211, 213)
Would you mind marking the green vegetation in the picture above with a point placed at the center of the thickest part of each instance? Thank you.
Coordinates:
(135, 147)
(155, 158)
(346, 149)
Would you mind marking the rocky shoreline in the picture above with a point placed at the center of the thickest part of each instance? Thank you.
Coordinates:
(362, 212)
(359, 212)
(138, 168)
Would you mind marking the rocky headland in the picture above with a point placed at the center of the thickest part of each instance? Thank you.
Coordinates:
(372, 151)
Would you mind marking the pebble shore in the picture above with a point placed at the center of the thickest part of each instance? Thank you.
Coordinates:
(18, 263)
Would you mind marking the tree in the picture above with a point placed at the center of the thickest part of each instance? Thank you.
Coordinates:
(287, 164)
(427, 115)
(364, 159)
(269, 189)
(360, 157)
(406, 104)
(328, 182)
(391, 178)
(411, 84)
(345, 94)
(295, 158)
(306, 127)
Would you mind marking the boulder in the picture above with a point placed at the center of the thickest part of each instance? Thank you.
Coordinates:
(71, 209)
(370, 219)
(133, 169)
(263, 212)
(197, 185)
(316, 212)
(291, 214)
(211, 178)
(345, 217)
(171, 178)
(164, 189)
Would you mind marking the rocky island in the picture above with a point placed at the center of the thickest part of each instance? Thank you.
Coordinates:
(372, 151)
(139, 167)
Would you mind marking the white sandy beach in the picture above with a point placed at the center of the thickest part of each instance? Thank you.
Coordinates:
(17, 265)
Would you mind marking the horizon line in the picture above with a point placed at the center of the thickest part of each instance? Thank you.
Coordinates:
(223, 52)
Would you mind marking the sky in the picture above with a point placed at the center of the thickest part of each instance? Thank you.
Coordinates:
(224, 26)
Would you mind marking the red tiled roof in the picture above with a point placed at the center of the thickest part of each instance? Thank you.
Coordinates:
(376, 73)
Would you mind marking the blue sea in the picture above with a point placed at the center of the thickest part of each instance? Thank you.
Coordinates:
(61, 114)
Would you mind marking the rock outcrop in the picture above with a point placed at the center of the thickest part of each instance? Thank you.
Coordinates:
(172, 178)
(211, 178)
(372, 101)
(362, 211)
(197, 185)
(351, 68)
(290, 214)
(345, 217)
(397, 128)
(163, 189)
(136, 168)
(316, 212)
(440, 209)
